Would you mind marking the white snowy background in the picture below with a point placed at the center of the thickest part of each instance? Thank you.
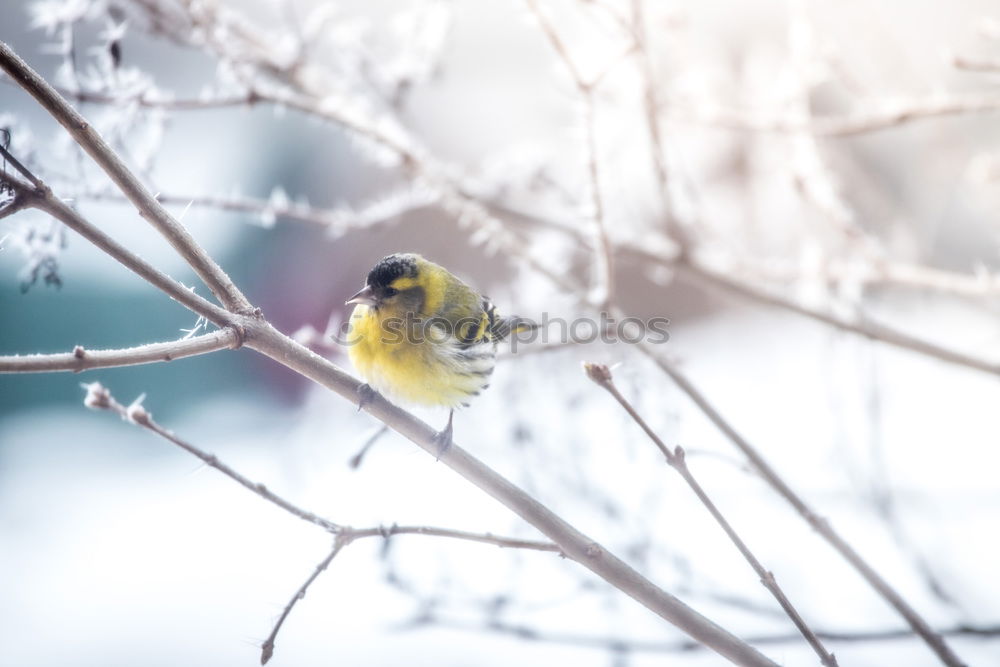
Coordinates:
(118, 549)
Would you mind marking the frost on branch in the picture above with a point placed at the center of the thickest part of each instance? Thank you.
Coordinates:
(41, 244)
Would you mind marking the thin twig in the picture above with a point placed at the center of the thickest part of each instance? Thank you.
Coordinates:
(601, 376)
(355, 461)
(818, 523)
(88, 139)
(348, 535)
(876, 332)
(99, 398)
(142, 99)
(891, 112)
(14, 162)
(530, 633)
(482, 538)
(675, 231)
(267, 648)
(603, 256)
(81, 359)
(889, 115)
(604, 291)
(337, 220)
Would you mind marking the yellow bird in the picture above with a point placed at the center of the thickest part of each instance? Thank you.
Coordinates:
(420, 335)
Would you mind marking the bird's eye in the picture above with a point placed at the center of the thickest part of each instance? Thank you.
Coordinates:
(391, 291)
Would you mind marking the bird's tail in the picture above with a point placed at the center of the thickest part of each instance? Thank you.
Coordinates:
(512, 325)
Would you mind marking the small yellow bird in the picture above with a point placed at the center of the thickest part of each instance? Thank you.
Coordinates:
(420, 335)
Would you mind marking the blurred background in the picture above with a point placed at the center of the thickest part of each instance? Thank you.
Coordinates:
(840, 159)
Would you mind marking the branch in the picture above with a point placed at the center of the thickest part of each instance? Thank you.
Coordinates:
(267, 648)
(675, 231)
(348, 535)
(891, 114)
(482, 538)
(529, 633)
(81, 359)
(333, 220)
(879, 272)
(141, 98)
(247, 99)
(870, 330)
(99, 398)
(88, 139)
(601, 376)
(604, 264)
(818, 523)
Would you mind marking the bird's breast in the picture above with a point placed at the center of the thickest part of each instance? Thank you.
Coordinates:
(431, 369)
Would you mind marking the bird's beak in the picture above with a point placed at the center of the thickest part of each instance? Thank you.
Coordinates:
(365, 297)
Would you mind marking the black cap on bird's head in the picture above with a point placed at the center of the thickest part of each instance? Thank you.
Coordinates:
(388, 269)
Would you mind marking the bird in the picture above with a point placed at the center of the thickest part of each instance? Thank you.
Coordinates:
(419, 335)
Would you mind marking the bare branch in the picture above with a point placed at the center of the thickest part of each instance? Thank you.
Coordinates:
(603, 257)
(14, 162)
(604, 268)
(333, 220)
(656, 148)
(612, 643)
(355, 461)
(818, 523)
(887, 115)
(81, 359)
(348, 535)
(143, 99)
(99, 398)
(601, 376)
(877, 332)
(482, 538)
(88, 138)
(557, 44)
(267, 648)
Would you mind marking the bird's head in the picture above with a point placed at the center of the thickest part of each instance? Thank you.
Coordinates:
(398, 284)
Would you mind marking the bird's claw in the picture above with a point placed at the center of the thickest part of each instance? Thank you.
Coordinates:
(443, 439)
(365, 395)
